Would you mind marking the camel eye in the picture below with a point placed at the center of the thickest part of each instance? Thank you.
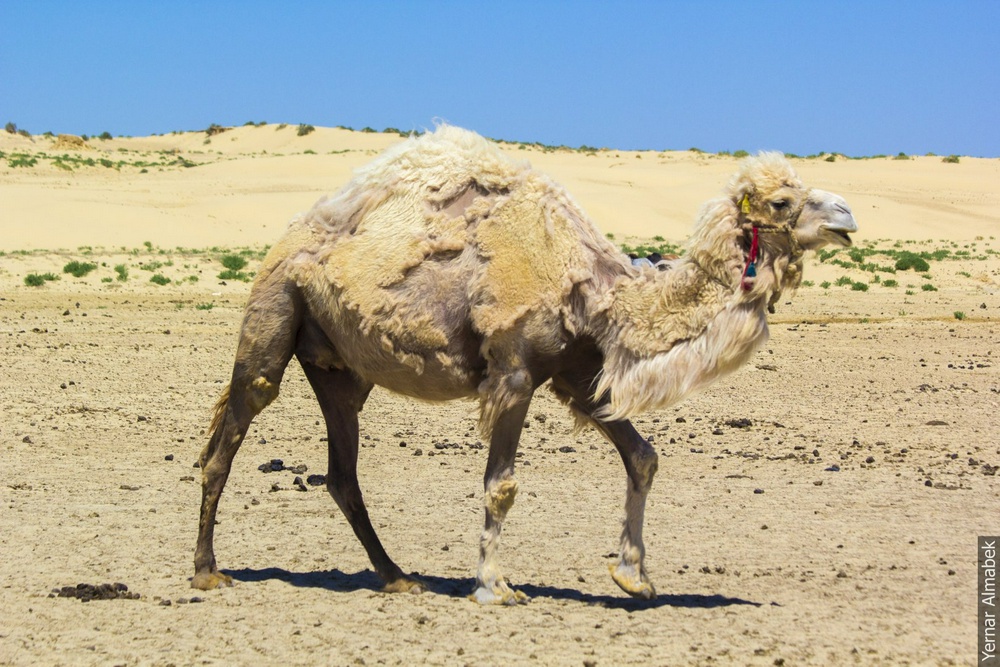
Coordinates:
(779, 205)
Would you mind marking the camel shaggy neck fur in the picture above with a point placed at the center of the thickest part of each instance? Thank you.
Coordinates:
(447, 270)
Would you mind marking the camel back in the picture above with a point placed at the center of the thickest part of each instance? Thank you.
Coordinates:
(443, 205)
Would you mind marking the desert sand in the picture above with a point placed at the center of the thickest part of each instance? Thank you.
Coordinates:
(818, 507)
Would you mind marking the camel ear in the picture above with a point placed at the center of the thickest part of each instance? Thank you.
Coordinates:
(745, 203)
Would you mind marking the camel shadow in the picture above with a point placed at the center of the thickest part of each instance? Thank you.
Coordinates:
(459, 587)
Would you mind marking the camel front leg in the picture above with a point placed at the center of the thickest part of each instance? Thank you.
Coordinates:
(500, 490)
(640, 464)
(573, 386)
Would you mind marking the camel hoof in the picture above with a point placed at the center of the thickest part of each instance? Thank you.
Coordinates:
(403, 585)
(498, 594)
(633, 581)
(206, 581)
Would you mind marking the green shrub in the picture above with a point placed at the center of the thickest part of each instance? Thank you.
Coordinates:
(230, 274)
(36, 279)
(843, 280)
(204, 306)
(959, 315)
(234, 262)
(927, 287)
(908, 260)
(951, 159)
(79, 269)
(304, 130)
(159, 279)
(890, 283)
(122, 272)
(21, 161)
(859, 287)
(825, 284)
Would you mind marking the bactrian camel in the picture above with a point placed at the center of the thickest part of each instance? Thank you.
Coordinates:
(446, 270)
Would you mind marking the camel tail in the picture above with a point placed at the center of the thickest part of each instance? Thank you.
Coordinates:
(219, 411)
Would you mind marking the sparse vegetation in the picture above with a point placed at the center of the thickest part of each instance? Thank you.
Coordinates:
(951, 159)
(204, 306)
(122, 272)
(959, 315)
(21, 160)
(159, 279)
(304, 129)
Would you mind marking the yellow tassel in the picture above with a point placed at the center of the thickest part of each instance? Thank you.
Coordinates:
(745, 204)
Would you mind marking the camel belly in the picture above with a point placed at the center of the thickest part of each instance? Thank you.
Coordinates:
(413, 337)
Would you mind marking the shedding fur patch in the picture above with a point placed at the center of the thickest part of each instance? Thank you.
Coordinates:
(529, 248)
(500, 498)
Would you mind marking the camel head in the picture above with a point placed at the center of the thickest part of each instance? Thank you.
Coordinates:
(826, 218)
(779, 219)
(770, 195)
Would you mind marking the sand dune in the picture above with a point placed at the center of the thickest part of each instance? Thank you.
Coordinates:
(249, 181)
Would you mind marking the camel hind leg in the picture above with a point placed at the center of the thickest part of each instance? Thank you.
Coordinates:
(267, 340)
(341, 395)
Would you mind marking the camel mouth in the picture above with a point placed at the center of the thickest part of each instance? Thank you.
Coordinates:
(838, 232)
(842, 237)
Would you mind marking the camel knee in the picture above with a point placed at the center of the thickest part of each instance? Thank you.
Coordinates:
(346, 495)
(262, 392)
(643, 467)
(499, 498)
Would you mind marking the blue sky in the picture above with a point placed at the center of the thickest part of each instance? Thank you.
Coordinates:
(857, 77)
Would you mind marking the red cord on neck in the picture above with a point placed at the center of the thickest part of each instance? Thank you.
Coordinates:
(750, 269)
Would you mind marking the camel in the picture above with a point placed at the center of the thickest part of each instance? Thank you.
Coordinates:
(446, 269)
